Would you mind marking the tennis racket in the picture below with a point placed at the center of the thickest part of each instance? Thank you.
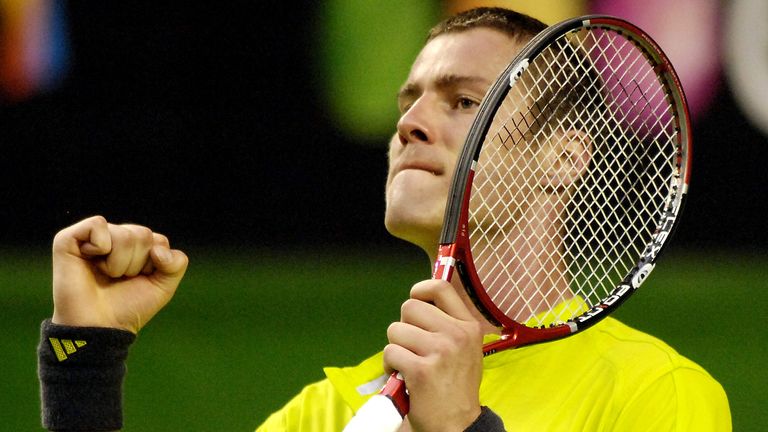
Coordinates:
(570, 183)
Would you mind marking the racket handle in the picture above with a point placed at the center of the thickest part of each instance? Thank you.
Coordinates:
(383, 412)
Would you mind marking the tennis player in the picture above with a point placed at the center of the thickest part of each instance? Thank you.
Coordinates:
(110, 280)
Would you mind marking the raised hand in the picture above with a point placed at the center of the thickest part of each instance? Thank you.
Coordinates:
(107, 275)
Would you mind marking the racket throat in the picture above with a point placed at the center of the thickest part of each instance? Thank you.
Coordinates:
(507, 340)
(519, 335)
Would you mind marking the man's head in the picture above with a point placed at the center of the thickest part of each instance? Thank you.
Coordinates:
(438, 102)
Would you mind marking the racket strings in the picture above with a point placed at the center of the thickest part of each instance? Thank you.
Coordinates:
(543, 235)
(641, 196)
(547, 115)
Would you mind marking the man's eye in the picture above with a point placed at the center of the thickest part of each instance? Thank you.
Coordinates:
(466, 103)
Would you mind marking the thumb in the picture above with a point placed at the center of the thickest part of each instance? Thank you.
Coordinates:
(170, 264)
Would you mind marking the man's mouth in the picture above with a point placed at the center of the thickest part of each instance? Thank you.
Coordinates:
(420, 166)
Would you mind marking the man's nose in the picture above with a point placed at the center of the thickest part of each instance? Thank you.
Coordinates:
(416, 124)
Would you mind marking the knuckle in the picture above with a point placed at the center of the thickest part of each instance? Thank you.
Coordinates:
(161, 239)
(468, 333)
(445, 347)
(418, 372)
(120, 234)
(421, 288)
(96, 220)
(475, 329)
(407, 306)
(389, 352)
(184, 258)
(392, 329)
(60, 237)
(142, 234)
(410, 309)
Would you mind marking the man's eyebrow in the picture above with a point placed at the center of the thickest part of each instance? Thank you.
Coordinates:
(410, 90)
(454, 80)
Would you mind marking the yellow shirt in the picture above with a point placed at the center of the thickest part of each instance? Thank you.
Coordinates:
(608, 378)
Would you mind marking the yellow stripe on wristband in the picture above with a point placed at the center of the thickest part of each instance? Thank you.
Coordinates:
(62, 347)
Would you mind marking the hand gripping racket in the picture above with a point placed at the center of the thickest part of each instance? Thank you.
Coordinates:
(570, 183)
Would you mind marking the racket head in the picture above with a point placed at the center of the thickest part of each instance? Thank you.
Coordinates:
(571, 180)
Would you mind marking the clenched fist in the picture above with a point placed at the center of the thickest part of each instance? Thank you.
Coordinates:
(107, 275)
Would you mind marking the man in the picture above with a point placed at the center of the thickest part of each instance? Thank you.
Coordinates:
(608, 378)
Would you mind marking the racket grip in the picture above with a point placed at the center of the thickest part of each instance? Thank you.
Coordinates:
(383, 412)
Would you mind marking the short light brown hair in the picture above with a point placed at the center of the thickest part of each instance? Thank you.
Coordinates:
(521, 28)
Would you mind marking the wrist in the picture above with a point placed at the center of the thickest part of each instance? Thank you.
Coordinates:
(81, 371)
(487, 421)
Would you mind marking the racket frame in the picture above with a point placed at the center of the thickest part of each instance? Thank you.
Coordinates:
(454, 246)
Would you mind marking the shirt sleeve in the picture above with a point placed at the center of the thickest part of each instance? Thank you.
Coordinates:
(685, 399)
(81, 372)
(318, 407)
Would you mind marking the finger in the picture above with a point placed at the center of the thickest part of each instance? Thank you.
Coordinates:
(443, 295)
(424, 315)
(89, 237)
(438, 332)
(158, 240)
(414, 339)
(115, 263)
(143, 240)
(149, 267)
(398, 358)
(130, 250)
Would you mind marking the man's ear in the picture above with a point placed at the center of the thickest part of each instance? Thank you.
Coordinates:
(567, 160)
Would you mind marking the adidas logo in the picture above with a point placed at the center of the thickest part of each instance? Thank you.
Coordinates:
(64, 347)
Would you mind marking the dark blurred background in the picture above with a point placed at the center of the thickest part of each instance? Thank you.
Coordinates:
(204, 122)
(266, 122)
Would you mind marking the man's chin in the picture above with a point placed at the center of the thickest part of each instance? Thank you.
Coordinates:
(419, 232)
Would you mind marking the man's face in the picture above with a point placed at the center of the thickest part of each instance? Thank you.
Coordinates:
(438, 103)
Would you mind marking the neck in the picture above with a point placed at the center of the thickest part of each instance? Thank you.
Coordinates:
(521, 266)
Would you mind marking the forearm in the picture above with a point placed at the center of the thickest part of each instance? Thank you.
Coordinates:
(81, 372)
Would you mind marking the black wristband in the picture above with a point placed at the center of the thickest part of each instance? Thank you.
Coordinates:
(487, 421)
(81, 372)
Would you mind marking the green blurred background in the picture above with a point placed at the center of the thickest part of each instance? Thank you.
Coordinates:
(254, 135)
(249, 328)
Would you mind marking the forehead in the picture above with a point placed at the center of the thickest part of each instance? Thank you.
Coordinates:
(479, 52)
